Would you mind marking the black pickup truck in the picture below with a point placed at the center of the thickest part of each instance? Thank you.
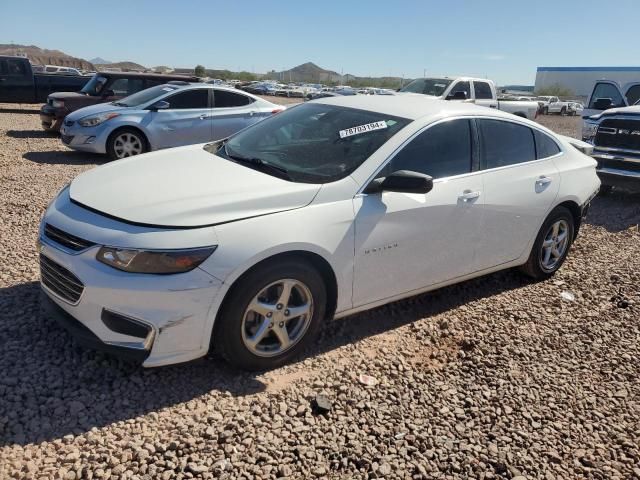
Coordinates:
(19, 84)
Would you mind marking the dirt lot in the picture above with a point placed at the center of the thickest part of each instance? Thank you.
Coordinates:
(494, 378)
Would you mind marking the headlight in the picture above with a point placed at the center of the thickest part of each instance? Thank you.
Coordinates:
(57, 103)
(589, 131)
(154, 261)
(94, 120)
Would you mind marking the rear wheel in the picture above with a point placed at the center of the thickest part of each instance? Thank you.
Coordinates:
(126, 142)
(563, 111)
(270, 315)
(552, 245)
(605, 190)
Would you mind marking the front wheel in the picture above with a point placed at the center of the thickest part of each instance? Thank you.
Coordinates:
(126, 142)
(552, 245)
(270, 315)
(545, 110)
(563, 111)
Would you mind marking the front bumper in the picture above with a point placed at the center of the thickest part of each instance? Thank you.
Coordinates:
(617, 169)
(85, 139)
(85, 337)
(152, 319)
(51, 118)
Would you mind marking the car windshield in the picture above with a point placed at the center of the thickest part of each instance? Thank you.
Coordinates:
(95, 85)
(312, 142)
(428, 86)
(145, 96)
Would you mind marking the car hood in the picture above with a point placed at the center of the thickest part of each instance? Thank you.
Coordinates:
(185, 187)
(93, 109)
(67, 95)
(634, 110)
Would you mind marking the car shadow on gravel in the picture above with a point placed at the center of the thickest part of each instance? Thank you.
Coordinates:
(31, 134)
(65, 157)
(49, 387)
(616, 212)
(19, 110)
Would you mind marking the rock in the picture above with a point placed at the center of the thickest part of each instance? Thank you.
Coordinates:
(321, 404)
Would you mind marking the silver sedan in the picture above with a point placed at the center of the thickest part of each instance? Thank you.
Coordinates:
(164, 116)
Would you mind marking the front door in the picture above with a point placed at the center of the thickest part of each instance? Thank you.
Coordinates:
(405, 242)
(185, 122)
(16, 82)
(519, 186)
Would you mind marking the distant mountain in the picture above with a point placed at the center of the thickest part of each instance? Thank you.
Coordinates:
(40, 56)
(311, 73)
(126, 66)
(100, 61)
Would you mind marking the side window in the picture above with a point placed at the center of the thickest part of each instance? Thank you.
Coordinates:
(16, 68)
(545, 146)
(135, 85)
(633, 94)
(224, 99)
(197, 98)
(461, 87)
(606, 90)
(483, 91)
(51, 69)
(120, 87)
(3, 67)
(441, 151)
(504, 143)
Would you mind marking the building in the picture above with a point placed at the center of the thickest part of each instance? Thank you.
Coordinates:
(580, 80)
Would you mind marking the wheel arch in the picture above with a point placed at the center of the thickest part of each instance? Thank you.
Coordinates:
(314, 259)
(128, 126)
(576, 213)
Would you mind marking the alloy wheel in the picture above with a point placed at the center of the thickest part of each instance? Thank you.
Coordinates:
(277, 318)
(554, 245)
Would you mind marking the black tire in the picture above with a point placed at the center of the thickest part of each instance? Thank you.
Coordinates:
(563, 111)
(227, 335)
(111, 151)
(533, 267)
(545, 110)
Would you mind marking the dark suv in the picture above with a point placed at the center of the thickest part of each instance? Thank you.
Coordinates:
(102, 88)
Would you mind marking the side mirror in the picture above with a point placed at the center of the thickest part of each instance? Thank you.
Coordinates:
(403, 181)
(159, 105)
(603, 103)
(459, 95)
(109, 93)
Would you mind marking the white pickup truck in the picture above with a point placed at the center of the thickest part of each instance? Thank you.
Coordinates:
(473, 90)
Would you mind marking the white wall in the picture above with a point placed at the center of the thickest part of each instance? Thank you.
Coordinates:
(581, 80)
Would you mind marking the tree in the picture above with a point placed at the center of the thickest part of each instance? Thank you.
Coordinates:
(199, 71)
(555, 90)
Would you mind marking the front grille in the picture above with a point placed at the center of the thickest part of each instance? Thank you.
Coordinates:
(60, 280)
(69, 123)
(66, 139)
(619, 165)
(66, 239)
(619, 133)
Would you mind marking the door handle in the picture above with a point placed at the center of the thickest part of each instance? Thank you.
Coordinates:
(252, 113)
(542, 181)
(468, 196)
(203, 116)
(493, 106)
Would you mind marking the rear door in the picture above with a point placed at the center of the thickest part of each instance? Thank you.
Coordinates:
(484, 94)
(185, 122)
(232, 112)
(16, 81)
(521, 183)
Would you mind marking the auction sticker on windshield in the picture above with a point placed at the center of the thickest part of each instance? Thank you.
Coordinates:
(363, 129)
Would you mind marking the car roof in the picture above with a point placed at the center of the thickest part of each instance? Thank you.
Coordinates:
(411, 106)
(159, 76)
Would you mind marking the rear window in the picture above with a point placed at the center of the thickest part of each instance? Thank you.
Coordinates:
(314, 143)
(633, 95)
(483, 91)
(545, 145)
(504, 143)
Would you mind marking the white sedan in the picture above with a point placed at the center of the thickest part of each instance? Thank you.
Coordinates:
(332, 207)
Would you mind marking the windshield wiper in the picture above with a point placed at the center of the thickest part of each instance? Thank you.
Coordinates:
(259, 164)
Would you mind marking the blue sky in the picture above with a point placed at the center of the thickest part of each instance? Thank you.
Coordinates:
(502, 40)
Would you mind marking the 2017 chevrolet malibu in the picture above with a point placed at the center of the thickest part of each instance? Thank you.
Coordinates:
(171, 115)
(335, 206)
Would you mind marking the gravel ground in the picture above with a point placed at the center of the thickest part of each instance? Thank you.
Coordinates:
(494, 378)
